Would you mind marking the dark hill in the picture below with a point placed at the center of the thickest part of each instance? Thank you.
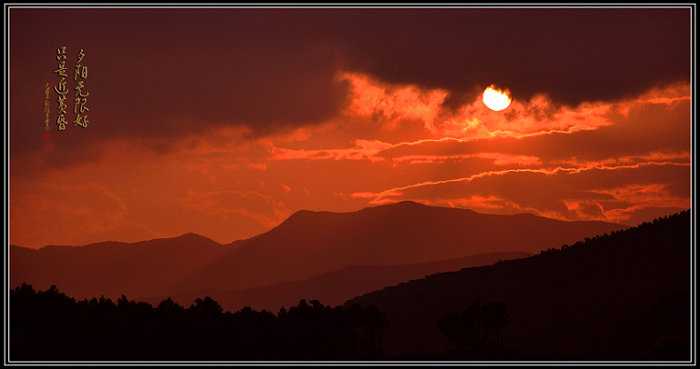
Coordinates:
(624, 296)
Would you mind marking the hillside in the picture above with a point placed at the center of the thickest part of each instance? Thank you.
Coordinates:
(624, 296)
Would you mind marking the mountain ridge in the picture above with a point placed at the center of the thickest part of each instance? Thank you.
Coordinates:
(308, 243)
(302, 213)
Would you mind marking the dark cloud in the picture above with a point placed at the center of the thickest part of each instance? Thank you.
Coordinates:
(165, 73)
(572, 54)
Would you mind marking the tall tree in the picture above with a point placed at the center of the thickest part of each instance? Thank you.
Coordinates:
(494, 317)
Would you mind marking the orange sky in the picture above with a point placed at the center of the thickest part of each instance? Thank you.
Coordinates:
(231, 159)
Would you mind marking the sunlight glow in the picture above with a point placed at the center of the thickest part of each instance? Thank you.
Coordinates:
(496, 99)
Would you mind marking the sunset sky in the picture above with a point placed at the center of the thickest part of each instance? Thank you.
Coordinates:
(225, 121)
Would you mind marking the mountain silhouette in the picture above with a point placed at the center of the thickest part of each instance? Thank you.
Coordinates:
(306, 244)
(619, 296)
(309, 243)
(333, 288)
(115, 268)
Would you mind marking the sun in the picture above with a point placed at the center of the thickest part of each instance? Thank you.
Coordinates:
(496, 99)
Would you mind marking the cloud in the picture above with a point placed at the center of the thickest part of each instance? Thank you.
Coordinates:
(561, 193)
(536, 145)
(75, 214)
(168, 73)
(473, 120)
(533, 51)
(198, 69)
(363, 150)
(285, 187)
(496, 158)
(228, 204)
(476, 131)
(407, 102)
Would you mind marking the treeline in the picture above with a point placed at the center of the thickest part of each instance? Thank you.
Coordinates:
(51, 326)
(642, 234)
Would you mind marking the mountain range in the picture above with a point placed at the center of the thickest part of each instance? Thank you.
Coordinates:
(305, 245)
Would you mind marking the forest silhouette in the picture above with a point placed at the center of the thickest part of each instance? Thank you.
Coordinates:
(50, 326)
(618, 296)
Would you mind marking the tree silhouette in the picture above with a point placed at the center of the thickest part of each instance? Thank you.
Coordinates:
(207, 306)
(450, 325)
(471, 325)
(372, 324)
(469, 331)
(168, 305)
(494, 317)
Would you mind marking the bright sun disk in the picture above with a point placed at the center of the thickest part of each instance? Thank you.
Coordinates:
(496, 99)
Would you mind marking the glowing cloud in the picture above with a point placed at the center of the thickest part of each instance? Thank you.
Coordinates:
(408, 102)
(225, 204)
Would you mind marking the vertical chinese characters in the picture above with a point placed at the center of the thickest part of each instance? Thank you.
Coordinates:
(61, 89)
(80, 96)
(79, 76)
